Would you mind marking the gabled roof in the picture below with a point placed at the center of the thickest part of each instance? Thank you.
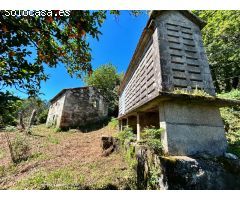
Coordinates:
(148, 28)
(194, 18)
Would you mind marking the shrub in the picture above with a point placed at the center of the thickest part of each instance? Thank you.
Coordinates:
(152, 137)
(20, 149)
(154, 175)
(130, 157)
(126, 134)
(42, 118)
(231, 119)
(10, 129)
(113, 123)
(234, 94)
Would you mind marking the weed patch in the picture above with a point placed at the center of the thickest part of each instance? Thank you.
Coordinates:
(64, 178)
(113, 123)
(152, 138)
(52, 139)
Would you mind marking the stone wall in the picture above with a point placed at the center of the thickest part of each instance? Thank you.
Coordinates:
(78, 107)
(186, 173)
(55, 112)
(192, 128)
(83, 107)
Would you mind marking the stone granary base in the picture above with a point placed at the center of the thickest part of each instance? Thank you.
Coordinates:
(191, 124)
(191, 129)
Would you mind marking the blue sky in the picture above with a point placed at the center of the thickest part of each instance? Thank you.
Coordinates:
(116, 45)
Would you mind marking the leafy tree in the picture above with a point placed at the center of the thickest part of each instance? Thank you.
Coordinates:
(29, 42)
(107, 80)
(41, 107)
(9, 104)
(221, 37)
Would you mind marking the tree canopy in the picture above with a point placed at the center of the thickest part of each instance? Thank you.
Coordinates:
(221, 38)
(55, 36)
(107, 80)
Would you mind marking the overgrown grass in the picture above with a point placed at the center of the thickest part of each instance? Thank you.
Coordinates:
(67, 170)
(63, 178)
(195, 92)
(231, 118)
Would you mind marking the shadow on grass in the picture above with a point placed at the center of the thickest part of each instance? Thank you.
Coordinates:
(78, 187)
(91, 126)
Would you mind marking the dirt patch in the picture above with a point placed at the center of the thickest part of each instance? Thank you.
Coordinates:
(76, 151)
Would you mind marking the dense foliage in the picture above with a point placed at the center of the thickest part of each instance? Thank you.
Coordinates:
(152, 137)
(9, 104)
(126, 135)
(27, 106)
(107, 80)
(29, 42)
(231, 118)
(221, 38)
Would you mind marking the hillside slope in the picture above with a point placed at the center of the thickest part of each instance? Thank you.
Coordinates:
(63, 160)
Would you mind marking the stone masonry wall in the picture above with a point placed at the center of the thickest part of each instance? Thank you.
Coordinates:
(83, 106)
(55, 112)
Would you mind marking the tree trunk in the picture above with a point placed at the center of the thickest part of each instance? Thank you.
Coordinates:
(31, 120)
(228, 85)
(10, 147)
(216, 84)
(235, 82)
(21, 124)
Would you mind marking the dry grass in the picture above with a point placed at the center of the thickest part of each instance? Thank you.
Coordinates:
(63, 160)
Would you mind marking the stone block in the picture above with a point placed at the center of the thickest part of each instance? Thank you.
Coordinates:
(191, 129)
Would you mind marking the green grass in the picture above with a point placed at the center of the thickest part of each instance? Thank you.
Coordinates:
(10, 129)
(53, 139)
(73, 172)
(195, 92)
(78, 176)
(63, 178)
(234, 94)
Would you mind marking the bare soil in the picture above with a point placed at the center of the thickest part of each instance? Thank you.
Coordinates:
(75, 152)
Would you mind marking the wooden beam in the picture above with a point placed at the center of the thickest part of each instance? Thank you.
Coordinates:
(121, 127)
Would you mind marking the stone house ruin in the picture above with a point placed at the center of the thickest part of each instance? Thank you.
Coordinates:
(170, 55)
(77, 107)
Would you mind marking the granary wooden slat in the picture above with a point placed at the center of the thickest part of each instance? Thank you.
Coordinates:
(170, 55)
